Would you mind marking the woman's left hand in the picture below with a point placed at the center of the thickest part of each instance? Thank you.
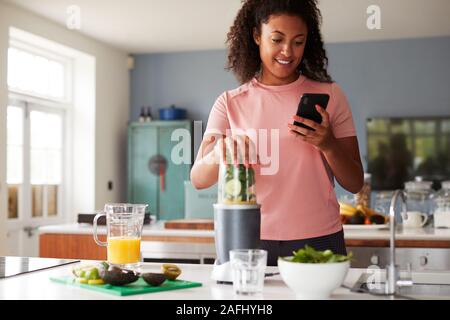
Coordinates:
(321, 137)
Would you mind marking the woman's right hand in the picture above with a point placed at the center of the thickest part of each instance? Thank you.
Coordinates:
(216, 149)
(239, 149)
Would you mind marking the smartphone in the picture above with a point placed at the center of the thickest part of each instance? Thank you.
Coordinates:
(307, 107)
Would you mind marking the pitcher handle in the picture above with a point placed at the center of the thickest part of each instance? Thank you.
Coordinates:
(425, 219)
(97, 241)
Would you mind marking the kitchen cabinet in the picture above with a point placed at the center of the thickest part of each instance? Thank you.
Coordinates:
(155, 177)
(420, 258)
(180, 249)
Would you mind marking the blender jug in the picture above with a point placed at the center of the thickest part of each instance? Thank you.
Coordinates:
(236, 184)
(237, 216)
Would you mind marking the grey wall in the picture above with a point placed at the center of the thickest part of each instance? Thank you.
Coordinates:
(382, 78)
(393, 78)
(191, 80)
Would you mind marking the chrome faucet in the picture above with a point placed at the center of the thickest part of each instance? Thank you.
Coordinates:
(392, 270)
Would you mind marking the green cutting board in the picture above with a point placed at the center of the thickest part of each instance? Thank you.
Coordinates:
(137, 287)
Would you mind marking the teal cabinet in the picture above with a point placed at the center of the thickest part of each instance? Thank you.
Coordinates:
(159, 161)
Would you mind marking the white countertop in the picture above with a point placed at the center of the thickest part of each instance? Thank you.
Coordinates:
(157, 229)
(37, 285)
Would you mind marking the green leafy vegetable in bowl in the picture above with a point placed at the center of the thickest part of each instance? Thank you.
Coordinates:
(310, 255)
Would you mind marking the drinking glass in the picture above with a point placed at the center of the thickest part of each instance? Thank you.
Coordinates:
(248, 269)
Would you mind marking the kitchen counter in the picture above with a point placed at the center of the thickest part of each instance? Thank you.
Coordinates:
(158, 230)
(75, 241)
(152, 230)
(36, 285)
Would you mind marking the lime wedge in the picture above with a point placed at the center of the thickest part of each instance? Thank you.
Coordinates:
(233, 187)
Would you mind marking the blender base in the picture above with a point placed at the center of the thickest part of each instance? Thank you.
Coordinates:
(222, 273)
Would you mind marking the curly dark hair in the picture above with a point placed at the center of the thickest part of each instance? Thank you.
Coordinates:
(243, 53)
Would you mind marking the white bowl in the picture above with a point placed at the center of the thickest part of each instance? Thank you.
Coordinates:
(313, 280)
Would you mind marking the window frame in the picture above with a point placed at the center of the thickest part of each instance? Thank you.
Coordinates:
(67, 63)
(28, 101)
(25, 190)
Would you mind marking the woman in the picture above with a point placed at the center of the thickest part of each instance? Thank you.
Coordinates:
(277, 53)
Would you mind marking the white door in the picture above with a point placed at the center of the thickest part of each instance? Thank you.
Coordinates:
(35, 153)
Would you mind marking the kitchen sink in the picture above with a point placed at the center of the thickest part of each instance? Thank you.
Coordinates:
(426, 285)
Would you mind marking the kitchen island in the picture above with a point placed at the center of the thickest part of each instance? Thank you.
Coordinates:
(37, 285)
(426, 248)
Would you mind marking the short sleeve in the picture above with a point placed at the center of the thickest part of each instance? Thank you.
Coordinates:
(341, 119)
(218, 122)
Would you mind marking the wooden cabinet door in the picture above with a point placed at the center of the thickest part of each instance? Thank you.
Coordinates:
(142, 183)
(171, 197)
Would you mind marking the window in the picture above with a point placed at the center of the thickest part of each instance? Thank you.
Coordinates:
(39, 98)
(46, 158)
(14, 157)
(37, 74)
(401, 149)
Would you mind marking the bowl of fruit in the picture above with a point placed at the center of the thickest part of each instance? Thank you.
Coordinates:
(314, 274)
(360, 215)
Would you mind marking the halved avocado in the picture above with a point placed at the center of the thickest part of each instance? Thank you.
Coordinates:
(118, 277)
(154, 279)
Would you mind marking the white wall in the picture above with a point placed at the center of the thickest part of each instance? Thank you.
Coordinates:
(112, 105)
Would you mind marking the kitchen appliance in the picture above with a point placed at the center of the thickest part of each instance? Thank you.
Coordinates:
(442, 207)
(12, 266)
(172, 113)
(237, 217)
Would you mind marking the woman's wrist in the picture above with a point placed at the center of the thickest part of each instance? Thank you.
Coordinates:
(329, 146)
(211, 158)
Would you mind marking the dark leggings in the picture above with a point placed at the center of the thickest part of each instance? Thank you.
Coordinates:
(334, 242)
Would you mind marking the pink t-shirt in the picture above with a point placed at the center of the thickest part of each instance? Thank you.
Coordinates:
(294, 184)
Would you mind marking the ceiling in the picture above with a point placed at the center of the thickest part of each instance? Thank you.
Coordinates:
(148, 26)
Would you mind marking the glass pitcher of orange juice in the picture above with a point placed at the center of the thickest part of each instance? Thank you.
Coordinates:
(124, 224)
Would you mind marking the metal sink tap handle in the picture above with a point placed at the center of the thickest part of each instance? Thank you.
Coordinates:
(392, 273)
